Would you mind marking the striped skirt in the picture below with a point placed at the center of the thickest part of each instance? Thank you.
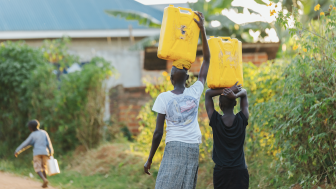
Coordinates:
(179, 166)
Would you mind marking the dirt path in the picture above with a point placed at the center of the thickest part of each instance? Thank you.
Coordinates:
(10, 181)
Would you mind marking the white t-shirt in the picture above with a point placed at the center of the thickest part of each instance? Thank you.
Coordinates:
(181, 113)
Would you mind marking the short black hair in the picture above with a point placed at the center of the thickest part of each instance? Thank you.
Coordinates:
(33, 124)
(225, 102)
(179, 75)
(177, 71)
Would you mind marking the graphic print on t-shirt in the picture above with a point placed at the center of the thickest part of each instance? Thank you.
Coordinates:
(182, 110)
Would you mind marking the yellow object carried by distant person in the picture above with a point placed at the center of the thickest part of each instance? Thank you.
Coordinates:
(226, 66)
(179, 34)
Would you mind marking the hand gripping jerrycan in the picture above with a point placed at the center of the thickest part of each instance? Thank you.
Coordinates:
(53, 168)
(226, 62)
(179, 34)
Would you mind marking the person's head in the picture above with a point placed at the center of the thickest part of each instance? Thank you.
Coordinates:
(33, 125)
(226, 103)
(178, 76)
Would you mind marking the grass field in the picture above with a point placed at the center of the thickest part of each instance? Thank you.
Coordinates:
(117, 166)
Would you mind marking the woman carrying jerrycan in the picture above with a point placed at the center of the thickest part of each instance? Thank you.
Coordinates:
(179, 165)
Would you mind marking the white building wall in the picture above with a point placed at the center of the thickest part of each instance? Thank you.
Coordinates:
(128, 64)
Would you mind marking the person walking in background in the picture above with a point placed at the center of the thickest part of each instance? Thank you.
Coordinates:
(229, 132)
(179, 108)
(40, 140)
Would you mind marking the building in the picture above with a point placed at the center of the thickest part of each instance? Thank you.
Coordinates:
(95, 33)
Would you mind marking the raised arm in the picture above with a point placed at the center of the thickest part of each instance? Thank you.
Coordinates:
(206, 51)
(243, 100)
(210, 93)
(157, 136)
(209, 105)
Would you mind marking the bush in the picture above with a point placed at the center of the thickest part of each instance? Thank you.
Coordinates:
(302, 116)
(17, 61)
(69, 106)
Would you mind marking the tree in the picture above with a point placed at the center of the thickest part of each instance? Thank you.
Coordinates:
(211, 10)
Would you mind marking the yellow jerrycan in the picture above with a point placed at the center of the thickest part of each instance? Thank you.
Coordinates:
(225, 63)
(179, 34)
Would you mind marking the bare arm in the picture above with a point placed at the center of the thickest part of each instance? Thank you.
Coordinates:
(243, 100)
(210, 93)
(157, 136)
(206, 51)
(49, 145)
(209, 104)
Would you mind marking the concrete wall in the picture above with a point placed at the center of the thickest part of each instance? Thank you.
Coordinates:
(127, 65)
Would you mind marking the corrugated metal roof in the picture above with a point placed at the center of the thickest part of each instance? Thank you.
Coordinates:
(44, 15)
(161, 7)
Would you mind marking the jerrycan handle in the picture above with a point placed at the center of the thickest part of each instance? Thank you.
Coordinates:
(235, 44)
(228, 38)
(187, 9)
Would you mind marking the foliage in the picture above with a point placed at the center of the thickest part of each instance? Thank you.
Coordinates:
(69, 106)
(259, 141)
(306, 6)
(211, 11)
(303, 117)
(17, 60)
(56, 52)
(143, 18)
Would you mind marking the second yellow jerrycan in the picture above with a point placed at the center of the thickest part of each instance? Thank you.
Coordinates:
(179, 34)
(226, 62)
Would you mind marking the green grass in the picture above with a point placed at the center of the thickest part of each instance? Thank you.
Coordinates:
(119, 174)
(124, 169)
(73, 179)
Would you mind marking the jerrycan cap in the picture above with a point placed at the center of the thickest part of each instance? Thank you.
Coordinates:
(171, 5)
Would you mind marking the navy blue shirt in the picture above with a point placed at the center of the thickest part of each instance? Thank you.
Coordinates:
(228, 147)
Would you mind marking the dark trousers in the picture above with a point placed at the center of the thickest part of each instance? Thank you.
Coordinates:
(230, 179)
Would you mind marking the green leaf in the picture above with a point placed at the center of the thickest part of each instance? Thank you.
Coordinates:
(260, 2)
(307, 6)
(225, 21)
(220, 4)
(142, 18)
(239, 9)
(256, 26)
